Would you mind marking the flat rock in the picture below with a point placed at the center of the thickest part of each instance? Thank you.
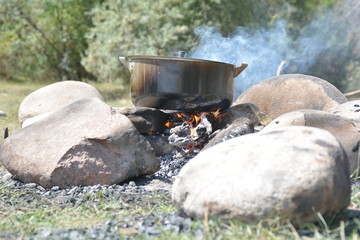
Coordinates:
(85, 143)
(32, 120)
(160, 144)
(345, 130)
(288, 92)
(291, 172)
(349, 110)
(157, 184)
(53, 97)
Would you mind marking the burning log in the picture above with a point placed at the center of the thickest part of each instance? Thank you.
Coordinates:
(203, 129)
(185, 135)
(180, 135)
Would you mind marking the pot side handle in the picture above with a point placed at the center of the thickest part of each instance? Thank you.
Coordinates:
(124, 62)
(238, 70)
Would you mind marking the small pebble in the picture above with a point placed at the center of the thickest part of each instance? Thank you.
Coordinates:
(30, 185)
(73, 190)
(6, 177)
(132, 184)
(40, 188)
(47, 193)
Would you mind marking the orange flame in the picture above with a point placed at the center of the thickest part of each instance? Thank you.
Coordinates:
(193, 118)
(216, 113)
(197, 119)
(169, 124)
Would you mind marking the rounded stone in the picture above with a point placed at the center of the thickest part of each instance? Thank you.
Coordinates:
(277, 95)
(345, 130)
(291, 172)
(85, 143)
(349, 110)
(55, 96)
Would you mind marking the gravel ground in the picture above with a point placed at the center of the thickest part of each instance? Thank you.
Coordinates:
(138, 190)
(149, 226)
(135, 192)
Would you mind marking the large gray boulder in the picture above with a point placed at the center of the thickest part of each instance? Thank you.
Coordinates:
(288, 92)
(345, 130)
(85, 143)
(53, 97)
(292, 172)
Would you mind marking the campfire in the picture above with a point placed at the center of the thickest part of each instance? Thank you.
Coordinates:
(178, 136)
(191, 131)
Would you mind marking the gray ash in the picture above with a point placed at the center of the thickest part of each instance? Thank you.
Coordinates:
(171, 164)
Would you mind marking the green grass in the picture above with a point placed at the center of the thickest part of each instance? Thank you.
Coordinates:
(11, 95)
(24, 216)
(25, 212)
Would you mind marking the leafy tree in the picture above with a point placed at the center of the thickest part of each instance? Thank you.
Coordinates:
(43, 39)
(81, 39)
(161, 27)
(158, 27)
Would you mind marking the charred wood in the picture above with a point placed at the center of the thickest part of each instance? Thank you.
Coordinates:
(146, 120)
(228, 116)
(238, 127)
(160, 144)
(185, 135)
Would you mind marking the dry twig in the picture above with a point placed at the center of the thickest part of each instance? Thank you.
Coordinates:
(351, 94)
(280, 67)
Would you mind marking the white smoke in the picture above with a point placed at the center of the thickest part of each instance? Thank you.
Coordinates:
(264, 49)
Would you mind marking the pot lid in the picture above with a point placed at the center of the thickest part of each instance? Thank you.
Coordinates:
(165, 58)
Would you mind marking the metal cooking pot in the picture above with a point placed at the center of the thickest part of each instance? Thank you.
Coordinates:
(180, 83)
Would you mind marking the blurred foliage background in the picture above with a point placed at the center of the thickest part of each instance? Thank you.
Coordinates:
(49, 40)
